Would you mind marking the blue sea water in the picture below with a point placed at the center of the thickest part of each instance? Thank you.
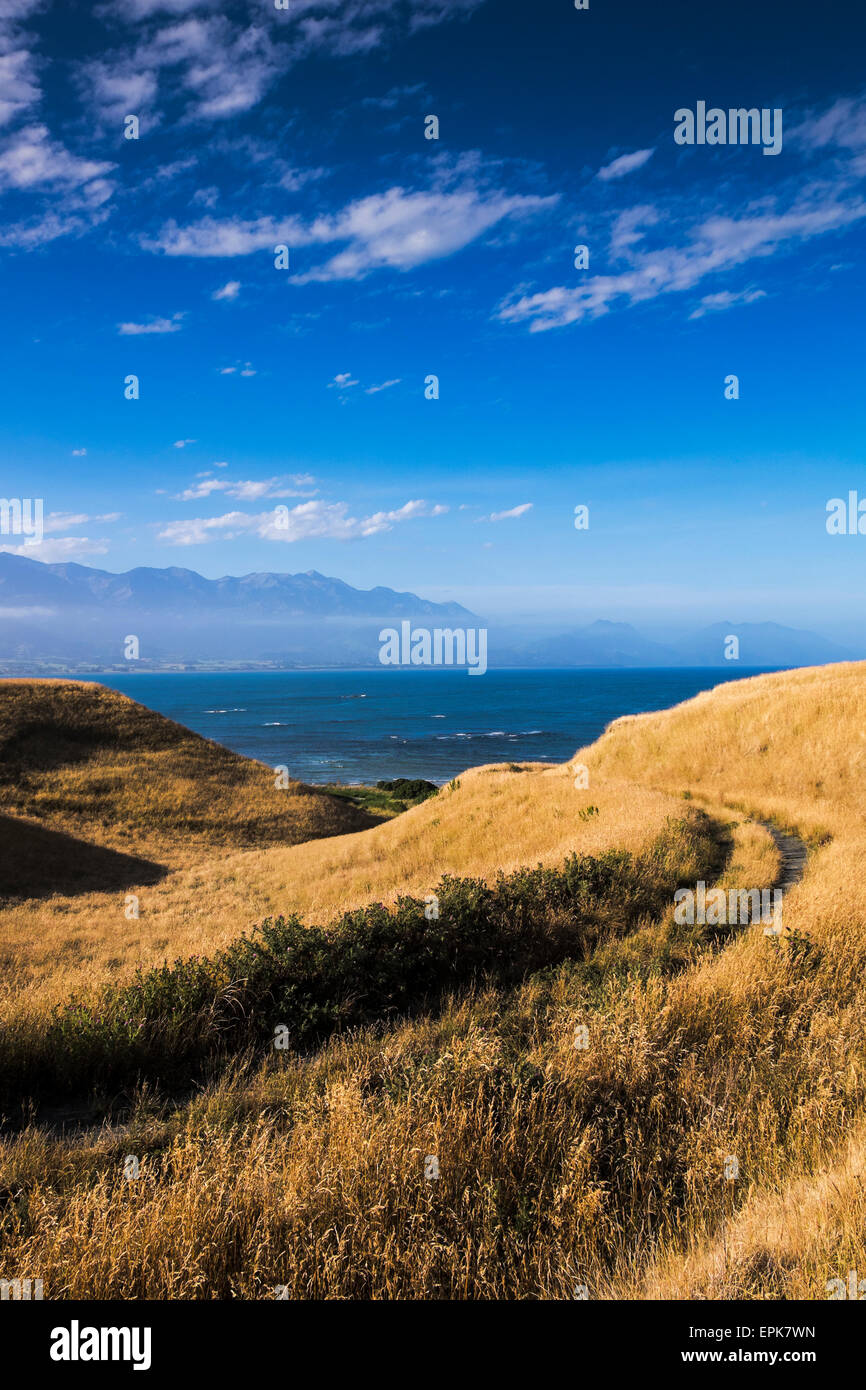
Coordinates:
(362, 726)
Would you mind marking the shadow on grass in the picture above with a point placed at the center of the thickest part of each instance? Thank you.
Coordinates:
(36, 862)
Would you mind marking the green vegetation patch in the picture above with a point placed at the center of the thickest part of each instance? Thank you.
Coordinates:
(386, 798)
(303, 983)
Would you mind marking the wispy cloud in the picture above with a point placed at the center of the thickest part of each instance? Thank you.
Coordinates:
(313, 520)
(725, 299)
(625, 164)
(61, 521)
(225, 64)
(19, 83)
(842, 126)
(719, 243)
(171, 325)
(803, 207)
(383, 386)
(393, 97)
(118, 88)
(230, 290)
(510, 514)
(295, 485)
(398, 229)
(31, 159)
(59, 549)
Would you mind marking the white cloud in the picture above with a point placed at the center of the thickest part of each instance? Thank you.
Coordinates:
(78, 453)
(171, 325)
(427, 12)
(226, 68)
(397, 229)
(143, 9)
(62, 548)
(42, 230)
(295, 485)
(30, 159)
(61, 521)
(372, 390)
(343, 380)
(19, 88)
(510, 514)
(719, 243)
(226, 65)
(630, 227)
(74, 190)
(401, 230)
(182, 443)
(315, 519)
(725, 299)
(230, 290)
(842, 125)
(393, 97)
(119, 88)
(625, 164)
(294, 179)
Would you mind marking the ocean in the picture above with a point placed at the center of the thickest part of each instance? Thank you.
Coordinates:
(365, 726)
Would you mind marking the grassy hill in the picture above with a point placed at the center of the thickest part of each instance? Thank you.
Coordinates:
(83, 760)
(584, 1068)
(103, 798)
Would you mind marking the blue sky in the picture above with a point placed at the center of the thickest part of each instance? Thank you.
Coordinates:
(304, 387)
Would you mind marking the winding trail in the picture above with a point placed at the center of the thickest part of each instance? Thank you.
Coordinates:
(794, 855)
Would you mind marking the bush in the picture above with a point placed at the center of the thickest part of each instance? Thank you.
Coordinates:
(371, 964)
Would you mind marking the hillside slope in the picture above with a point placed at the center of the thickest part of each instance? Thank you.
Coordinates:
(82, 763)
(67, 935)
(704, 1140)
(792, 747)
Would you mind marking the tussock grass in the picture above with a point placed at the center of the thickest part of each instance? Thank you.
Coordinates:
(372, 963)
(51, 948)
(559, 1165)
(95, 766)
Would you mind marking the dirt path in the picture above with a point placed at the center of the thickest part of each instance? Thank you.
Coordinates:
(794, 855)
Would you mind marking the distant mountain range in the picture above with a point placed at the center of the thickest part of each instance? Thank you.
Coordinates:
(70, 617)
(619, 644)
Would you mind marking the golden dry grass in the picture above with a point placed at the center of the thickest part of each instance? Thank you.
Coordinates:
(496, 818)
(91, 765)
(782, 1244)
(559, 1166)
(309, 1172)
(101, 798)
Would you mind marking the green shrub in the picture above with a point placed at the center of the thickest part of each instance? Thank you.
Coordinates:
(372, 964)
